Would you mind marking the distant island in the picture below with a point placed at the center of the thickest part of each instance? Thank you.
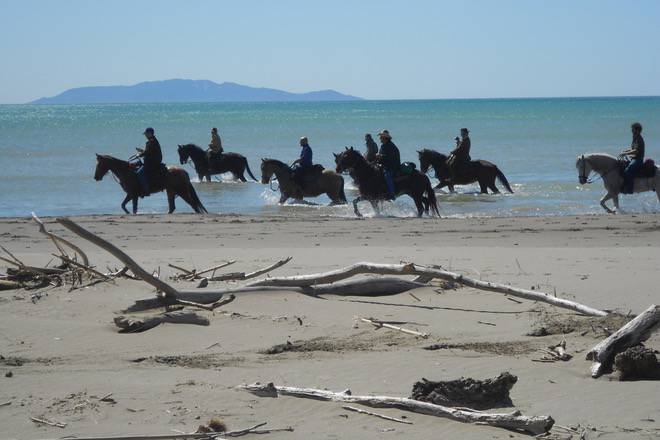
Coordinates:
(185, 90)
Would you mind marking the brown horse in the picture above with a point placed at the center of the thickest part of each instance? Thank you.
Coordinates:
(228, 163)
(480, 171)
(176, 183)
(329, 183)
(371, 183)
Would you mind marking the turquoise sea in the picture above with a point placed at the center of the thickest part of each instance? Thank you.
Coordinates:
(47, 152)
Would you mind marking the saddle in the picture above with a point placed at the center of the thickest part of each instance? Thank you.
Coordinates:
(156, 179)
(408, 168)
(647, 170)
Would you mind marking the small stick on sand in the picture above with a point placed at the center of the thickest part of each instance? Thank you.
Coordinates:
(48, 422)
(382, 416)
(380, 324)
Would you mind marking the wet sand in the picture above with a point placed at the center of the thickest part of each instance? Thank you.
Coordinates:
(71, 353)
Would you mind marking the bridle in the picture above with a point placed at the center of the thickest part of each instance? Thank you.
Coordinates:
(584, 177)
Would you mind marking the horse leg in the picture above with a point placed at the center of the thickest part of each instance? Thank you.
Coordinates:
(376, 206)
(483, 187)
(605, 198)
(170, 200)
(355, 207)
(135, 203)
(493, 188)
(241, 177)
(283, 198)
(123, 204)
(615, 199)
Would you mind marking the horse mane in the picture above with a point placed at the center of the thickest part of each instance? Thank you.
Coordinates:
(275, 161)
(597, 154)
(193, 147)
(430, 152)
(112, 158)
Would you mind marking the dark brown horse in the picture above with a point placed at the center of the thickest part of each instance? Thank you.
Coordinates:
(480, 171)
(227, 163)
(176, 183)
(372, 187)
(329, 182)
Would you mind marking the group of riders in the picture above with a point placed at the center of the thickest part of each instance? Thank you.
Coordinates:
(386, 157)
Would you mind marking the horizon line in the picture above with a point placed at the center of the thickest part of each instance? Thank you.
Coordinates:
(350, 100)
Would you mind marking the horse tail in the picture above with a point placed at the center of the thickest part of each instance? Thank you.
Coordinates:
(502, 179)
(247, 168)
(197, 204)
(430, 193)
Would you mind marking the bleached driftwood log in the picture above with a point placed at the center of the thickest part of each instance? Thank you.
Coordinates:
(133, 324)
(512, 420)
(365, 287)
(634, 332)
(166, 289)
(239, 276)
(380, 324)
(433, 272)
(57, 240)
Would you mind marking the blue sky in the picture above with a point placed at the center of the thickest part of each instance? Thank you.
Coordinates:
(374, 49)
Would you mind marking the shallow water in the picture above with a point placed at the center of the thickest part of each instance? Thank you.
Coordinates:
(47, 152)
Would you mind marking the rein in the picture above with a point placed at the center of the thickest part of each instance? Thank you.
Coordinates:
(583, 174)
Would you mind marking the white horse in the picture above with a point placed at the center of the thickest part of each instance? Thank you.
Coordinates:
(607, 167)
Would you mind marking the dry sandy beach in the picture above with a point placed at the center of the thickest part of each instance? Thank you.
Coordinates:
(71, 353)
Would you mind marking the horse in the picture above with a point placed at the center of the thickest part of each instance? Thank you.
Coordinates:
(372, 187)
(176, 183)
(608, 167)
(234, 163)
(480, 171)
(329, 182)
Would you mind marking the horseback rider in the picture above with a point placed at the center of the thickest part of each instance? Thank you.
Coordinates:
(372, 148)
(460, 156)
(152, 157)
(301, 165)
(215, 147)
(390, 159)
(636, 152)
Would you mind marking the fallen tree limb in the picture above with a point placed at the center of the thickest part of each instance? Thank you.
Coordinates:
(381, 324)
(382, 416)
(131, 324)
(364, 287)
(240, 276)
(167, 290)
(48, 422)
(513, 420)
(634, 332)
(413, 269)
(57, 240)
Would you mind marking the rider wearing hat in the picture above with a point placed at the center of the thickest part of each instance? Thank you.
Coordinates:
(390, 158)
(152, 157)
(460, 156)
(303, 163)
(636, 152)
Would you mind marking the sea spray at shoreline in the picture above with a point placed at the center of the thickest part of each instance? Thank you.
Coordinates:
(47, 152)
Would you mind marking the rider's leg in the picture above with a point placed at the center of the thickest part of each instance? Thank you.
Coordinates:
(389, 181)
(142, 178)
(629, 176)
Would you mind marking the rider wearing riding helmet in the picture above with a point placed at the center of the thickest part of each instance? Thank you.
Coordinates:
(636, 152)
(151, 160)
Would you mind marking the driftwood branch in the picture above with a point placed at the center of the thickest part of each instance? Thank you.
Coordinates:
(634, 332)
(434, 272)
(57, 240)
(381, 324)
(168, 291)
(131, 324)
(513, 420)
(382, 416)
(364, 287)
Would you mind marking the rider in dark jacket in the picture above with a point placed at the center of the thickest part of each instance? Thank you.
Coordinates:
(636, 152)
(152, 157)
(372, 148)
(301, 165)
(460, 156)
(390, 158)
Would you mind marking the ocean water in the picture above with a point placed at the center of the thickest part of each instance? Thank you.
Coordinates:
(47, 153)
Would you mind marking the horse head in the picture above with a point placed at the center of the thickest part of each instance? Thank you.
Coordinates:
(184, 154)
(267, 169)
(347, 159)
(102, 167)
(424, 161)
